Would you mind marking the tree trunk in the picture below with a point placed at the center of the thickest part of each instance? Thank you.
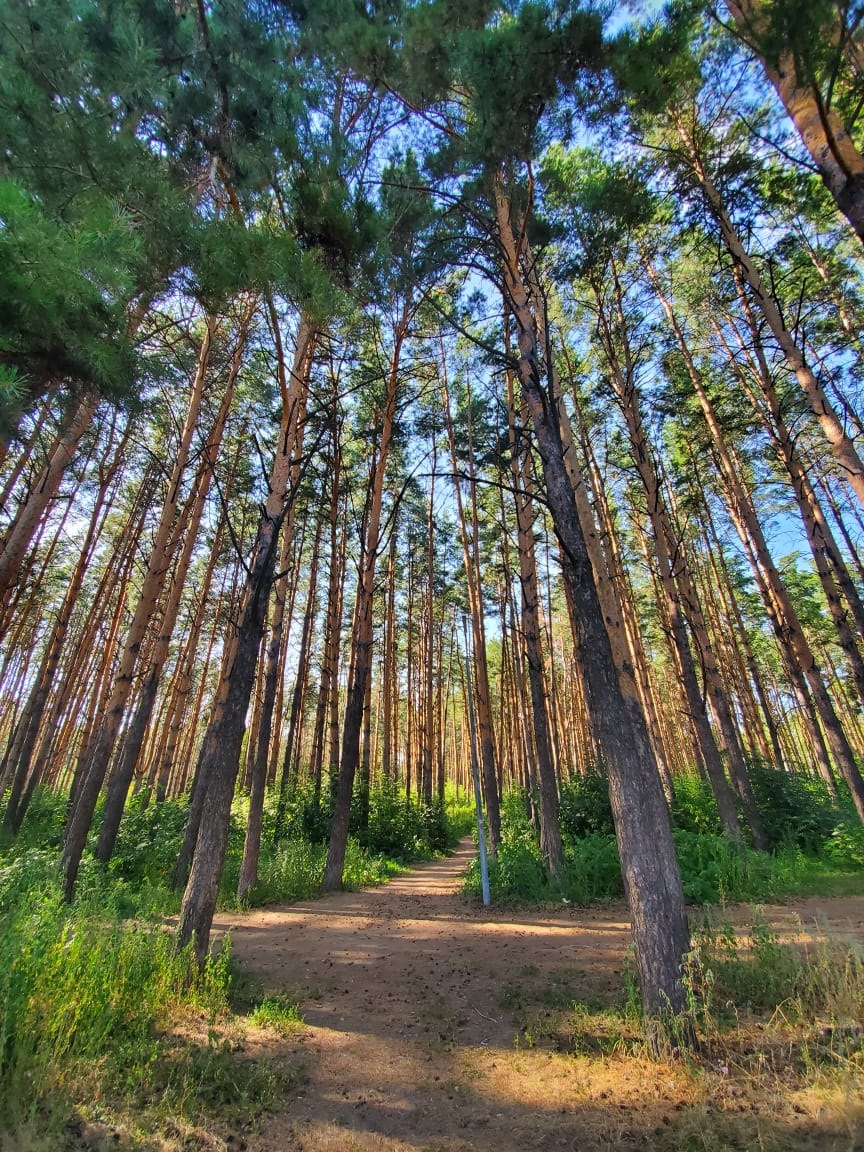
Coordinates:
(668, 550)
(841, 444)
(822, 546)
(550, 824)
(651, 877)
(830, 145)
(362, 640)
(134, 737)
(781, 609)
(220, 755)
(154, 579)
(19, 765)
(23, 527)
(475, 599)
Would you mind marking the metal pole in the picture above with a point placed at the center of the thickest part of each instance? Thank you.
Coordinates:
(475, 770)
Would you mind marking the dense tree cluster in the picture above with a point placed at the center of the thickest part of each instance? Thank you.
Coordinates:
(325, 326)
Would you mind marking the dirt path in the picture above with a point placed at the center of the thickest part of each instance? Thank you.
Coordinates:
(434, 1024)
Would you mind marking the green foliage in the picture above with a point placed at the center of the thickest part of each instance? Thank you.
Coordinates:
(386, 823)
(795, 808)
(544, 54)
(295, 836)
(845, 846)
(404, 830)
(822, 852)
(585, 806)
(150, 834)
(654, 64)
(79, 987)
(279, 1013)
(729, 973)
(694, 808)
(63, 297)
(593, 205)
(591, 869)
(291, 864)
(715, 869)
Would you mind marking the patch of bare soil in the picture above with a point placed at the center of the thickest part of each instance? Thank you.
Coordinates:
(434, 1025)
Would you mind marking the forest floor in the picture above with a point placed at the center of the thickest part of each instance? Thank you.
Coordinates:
(434, 1025)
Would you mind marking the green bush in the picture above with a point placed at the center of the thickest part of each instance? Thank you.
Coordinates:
(795, 808)
(393, 825)
(592, 870)
(715, 869)
(149, 835)
(694, 808)
(585, 806)
(292, 870)
(845, 846)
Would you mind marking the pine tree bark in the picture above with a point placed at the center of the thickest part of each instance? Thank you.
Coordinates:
(154, 579)
(475, 600)
(822, 132)
(649, 867)
(822, 546)
(134, 737)
(829, 421)
(362, 641)
(784, 618)
(23, 528)
(219, 761)
(550, 823)
(668, 550)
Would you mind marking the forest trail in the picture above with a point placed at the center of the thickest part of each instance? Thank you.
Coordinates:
(434, 1025)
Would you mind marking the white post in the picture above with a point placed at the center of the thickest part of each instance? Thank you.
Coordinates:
(475, 768)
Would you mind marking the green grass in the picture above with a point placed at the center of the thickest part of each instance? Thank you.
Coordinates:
(90, 993)
(78, 988)
(279, 1013)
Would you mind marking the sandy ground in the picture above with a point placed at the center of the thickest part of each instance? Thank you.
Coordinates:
(426, 1029)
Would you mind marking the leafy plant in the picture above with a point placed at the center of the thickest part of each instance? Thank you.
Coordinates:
(279, 1013)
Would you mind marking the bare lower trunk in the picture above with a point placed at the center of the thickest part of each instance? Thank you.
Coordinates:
(651, 877)
(475, 600)
(362, 648)
(151, 589)
(668, 549)
(220, 757)
(550, 824)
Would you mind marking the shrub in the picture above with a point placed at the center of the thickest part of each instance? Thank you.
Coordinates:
(585, 806)
(694, 808)
(795, 808)
(592, 870)
(845, 846)
(715, 869)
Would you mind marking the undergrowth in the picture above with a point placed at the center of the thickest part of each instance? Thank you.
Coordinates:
(817, 847)
(88, 1004)
(91, 995)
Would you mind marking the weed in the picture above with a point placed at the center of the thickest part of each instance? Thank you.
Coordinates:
(278, 1013)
